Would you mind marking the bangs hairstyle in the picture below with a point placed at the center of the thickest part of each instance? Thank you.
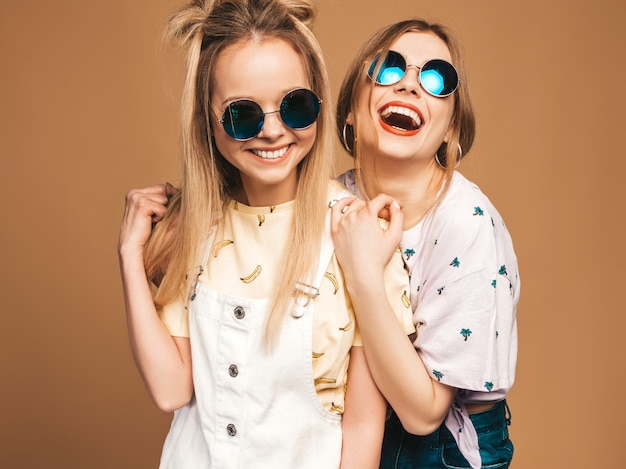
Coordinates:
(357, 82)
(206, 28)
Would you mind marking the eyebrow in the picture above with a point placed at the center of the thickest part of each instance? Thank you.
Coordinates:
(231, 99)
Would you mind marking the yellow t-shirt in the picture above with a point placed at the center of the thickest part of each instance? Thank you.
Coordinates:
(245, 260)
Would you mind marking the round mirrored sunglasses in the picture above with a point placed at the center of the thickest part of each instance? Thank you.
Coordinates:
(243, 119)
(438, 77)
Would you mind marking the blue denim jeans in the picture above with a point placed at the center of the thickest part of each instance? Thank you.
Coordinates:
(403, 450)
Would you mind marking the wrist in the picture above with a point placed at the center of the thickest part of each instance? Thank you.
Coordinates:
(365, 282)
(130, 252)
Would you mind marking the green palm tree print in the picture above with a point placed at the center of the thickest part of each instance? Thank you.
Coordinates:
(466, 333)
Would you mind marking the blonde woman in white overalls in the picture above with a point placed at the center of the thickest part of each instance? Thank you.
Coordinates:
(250, 337)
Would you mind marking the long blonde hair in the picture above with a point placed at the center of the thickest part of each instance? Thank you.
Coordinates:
(356, 82)
(206, 28)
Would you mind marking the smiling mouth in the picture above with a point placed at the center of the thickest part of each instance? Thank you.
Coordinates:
(271, 155)
(401, 118)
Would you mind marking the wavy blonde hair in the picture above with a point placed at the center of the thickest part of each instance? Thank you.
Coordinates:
(356, 82)
(206, 28)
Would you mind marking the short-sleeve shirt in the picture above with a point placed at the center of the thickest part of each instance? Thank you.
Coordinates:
(464, 292)
(245, 260)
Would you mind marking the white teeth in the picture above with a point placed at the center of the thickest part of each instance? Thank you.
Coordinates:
(271, 155)
(404, 111)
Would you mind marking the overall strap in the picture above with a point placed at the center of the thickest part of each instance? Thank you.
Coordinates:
(201, 266)
(304, 292)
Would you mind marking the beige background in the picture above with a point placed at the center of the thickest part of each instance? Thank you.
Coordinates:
(88, 109)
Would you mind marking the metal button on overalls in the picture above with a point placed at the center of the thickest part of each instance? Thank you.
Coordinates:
(239, 312)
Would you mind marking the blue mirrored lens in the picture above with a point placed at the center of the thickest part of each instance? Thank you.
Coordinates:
(432, 81)
(390, 75)
(391, 70)
(439, 77)
(243, 119)
(299, 109)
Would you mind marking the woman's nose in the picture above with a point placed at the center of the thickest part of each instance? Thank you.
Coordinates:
(410, 82)
(273, 126)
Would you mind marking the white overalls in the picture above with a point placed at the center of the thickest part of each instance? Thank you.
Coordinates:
(252, 408)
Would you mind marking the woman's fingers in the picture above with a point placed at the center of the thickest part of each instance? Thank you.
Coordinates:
(338, 208)
(140, 203)
(390, 209)
(144, 207)
(382, 205)
(170, 190)
(357, 228)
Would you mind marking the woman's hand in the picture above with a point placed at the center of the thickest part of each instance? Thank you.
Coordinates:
(144, 207)
(363, 244)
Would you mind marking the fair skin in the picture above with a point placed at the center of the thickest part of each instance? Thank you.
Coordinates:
(268, 167)
(406, 171)
(163, 361)
(403, 161)
(267, 163)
